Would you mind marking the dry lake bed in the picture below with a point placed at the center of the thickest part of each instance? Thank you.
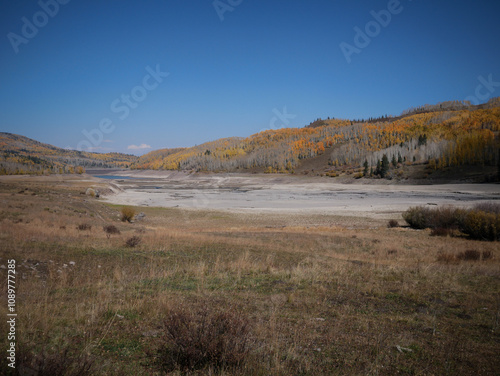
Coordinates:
(286, 194)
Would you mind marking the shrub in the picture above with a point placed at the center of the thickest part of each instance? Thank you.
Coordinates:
(206, 338)
(133, 241)
(127, 214)
(84, 227)
(422, 217)
(488, 207)
(90, 192)
(392, 223)
(110, 230)
(59, 363)
(446, 257)
(418, 217)
(478, 224)
(481, 225)
(487, 255)
(445, 218)
(469, 255)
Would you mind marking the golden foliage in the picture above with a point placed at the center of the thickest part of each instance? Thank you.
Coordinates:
(457, 137)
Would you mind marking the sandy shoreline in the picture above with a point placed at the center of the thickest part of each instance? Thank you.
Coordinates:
(287, 194)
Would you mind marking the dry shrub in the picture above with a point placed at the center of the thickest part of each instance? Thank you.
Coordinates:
(469, 255)
(487, 255)
(133, 241)
(127, 214)
(422, 217)
(392, 223)
(84, 227)
(418, 217)
(446, 218)
(110, 230)
(59, 363)
(481, 225)
(446, 257)
(392, 251)
(488, 207)
(205, 338)
(90, 192)
(478, 224)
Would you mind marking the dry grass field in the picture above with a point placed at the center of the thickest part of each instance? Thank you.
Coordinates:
(218, 293)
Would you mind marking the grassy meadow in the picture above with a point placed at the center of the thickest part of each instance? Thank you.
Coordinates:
(219, 293)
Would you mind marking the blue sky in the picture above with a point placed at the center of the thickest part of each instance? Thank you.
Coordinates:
(246, 66)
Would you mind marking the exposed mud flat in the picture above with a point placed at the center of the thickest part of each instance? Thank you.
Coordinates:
(287, 194)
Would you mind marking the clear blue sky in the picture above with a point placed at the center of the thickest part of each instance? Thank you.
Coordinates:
(231, 77)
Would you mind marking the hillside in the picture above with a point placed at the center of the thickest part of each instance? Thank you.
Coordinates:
(22, 155)
(436, 138)
(441, 136)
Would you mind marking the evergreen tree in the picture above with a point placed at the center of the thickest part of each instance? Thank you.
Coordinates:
(384, 167)
(422, 140)
(378, 168)
(365, 170)
(394, 161)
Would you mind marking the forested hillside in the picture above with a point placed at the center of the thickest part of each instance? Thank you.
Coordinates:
(441, 136)
(22, 155)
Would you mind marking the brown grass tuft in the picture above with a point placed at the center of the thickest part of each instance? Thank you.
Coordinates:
(392, 223)
(133, 241)
(446, 257)
(469, 255)
(110, 230)
(487, 255)
(84, 227)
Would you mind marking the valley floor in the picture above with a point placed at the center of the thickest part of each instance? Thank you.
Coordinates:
(293, 291)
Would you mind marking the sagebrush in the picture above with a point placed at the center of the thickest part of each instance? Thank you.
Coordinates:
(204, 337)
(482, 222)
(128, 214)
